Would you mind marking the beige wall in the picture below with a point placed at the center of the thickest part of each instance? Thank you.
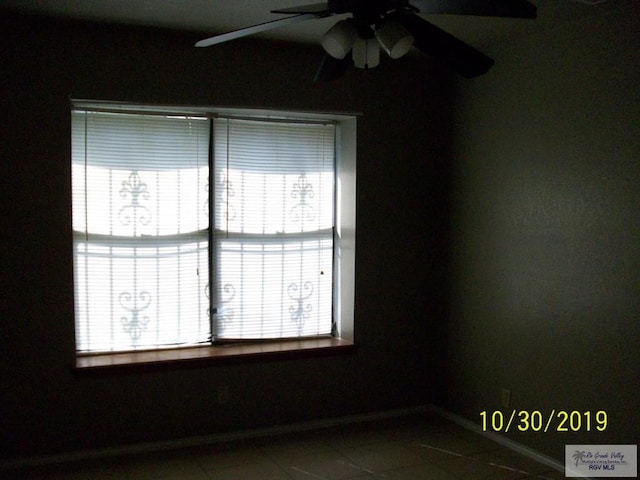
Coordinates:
(546, 231)
(402, 147)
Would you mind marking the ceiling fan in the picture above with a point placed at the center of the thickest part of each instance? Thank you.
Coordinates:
(393, 26)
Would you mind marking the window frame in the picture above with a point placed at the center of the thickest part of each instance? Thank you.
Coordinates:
(342, 339)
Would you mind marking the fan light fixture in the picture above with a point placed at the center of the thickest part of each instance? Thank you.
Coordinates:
(394, 39)
(343, 38)
(391, 25)
(366, 53)
(339, 39)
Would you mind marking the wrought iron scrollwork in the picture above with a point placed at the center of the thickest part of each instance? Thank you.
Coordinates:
(134, 304)
(134, 212)
(223, 313)
(299, 293)
(226, 187)
(205, 205)
(302, 190)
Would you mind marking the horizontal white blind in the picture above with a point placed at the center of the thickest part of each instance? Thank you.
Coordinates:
(273, 236)
(141, 210)
(140, 219)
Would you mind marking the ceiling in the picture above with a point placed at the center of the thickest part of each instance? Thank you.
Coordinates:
(219, 16)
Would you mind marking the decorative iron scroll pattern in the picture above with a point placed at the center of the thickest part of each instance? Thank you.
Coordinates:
(224, 314)
(134, 303)
(303, 210)
(205, 204)
(207, 294)
(299, 310)
(134, 212)
(226, 192)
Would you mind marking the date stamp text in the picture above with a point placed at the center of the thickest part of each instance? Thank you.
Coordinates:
(538, 421)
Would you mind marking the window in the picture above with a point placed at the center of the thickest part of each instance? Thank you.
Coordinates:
(193, 228)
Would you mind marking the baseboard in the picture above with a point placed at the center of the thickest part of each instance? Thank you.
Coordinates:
(151, 447)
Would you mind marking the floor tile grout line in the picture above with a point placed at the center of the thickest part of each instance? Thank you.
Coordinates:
(398, 442)
(504, 467)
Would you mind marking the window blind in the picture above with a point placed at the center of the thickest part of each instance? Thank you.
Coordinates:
(273, 236)
(150, 272)
(140, 220)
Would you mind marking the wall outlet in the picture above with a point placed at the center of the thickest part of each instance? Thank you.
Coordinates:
(223, 394)
(506, 398)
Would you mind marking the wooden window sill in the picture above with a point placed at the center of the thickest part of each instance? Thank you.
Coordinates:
(206, 355)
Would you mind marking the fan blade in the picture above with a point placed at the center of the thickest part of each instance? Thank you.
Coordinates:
(489, 8)
(332, 68)
(244, 32)
(316, 9)
(444, 47)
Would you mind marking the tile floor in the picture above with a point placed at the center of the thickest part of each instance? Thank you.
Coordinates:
(417, 447)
